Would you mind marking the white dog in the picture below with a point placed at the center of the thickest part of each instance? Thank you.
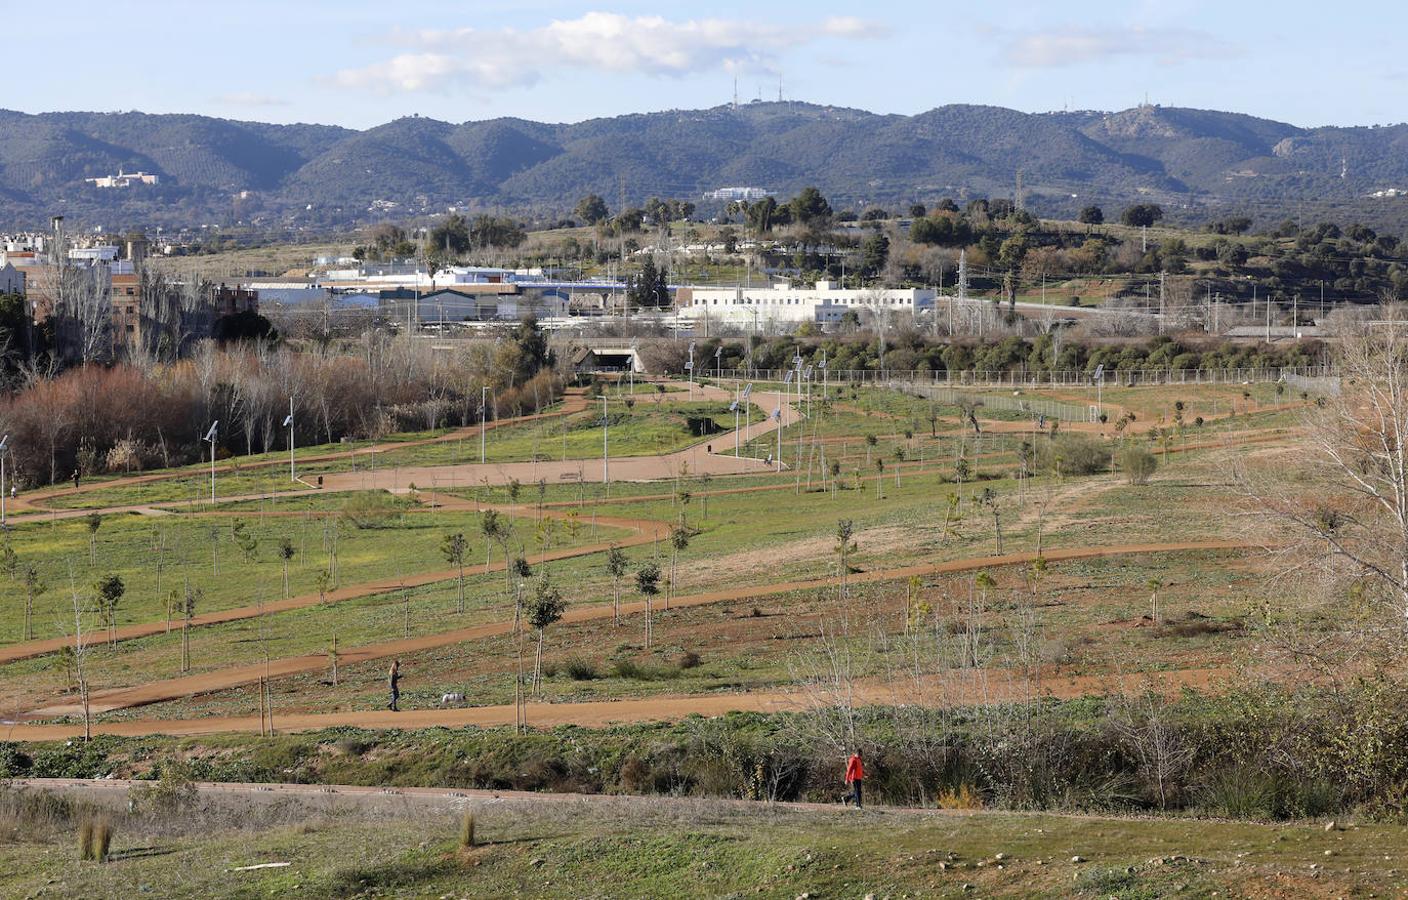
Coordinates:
(447, 699)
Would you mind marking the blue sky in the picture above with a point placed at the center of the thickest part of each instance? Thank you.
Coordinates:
(360, 63)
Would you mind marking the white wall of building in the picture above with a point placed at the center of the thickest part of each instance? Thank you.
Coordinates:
(784, 304)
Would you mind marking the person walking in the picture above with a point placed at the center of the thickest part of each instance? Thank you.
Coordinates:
(855, 774)
(394, 677)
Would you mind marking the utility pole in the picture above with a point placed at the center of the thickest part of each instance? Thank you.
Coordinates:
(605, 454)
(483, 418)
(1162, 276)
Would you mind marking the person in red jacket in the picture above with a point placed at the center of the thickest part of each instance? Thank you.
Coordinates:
(855, 774)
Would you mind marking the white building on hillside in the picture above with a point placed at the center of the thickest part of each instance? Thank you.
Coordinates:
(784, 304)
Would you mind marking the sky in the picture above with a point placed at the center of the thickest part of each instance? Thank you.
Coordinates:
(359, 64)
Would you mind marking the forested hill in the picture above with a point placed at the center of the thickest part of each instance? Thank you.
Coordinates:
(1195, 163)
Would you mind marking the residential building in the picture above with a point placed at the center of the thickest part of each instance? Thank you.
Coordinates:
(12, 280)
(123, 180)
(739, 193)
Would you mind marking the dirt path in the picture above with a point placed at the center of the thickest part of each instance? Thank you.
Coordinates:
(573, 401)
(646, 531)
(933, 692)
(237, 676)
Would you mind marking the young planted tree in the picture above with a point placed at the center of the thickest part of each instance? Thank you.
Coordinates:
(324, 583)
(870, 442)
(454, 546)
(989, 499)
(544, 608)
(845, 546)
(648, 585)
(973, 628)
(679, 540)
(245, 540)
(79, 651)
(616, 565)
(286, 553)
(189, 601)
(879, 478)
(93, 521)
(108, 593)
(1155, 614)
(33, 587)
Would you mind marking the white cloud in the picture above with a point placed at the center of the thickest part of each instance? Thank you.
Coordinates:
(597, 41)
(1078, 46)
(249, 98)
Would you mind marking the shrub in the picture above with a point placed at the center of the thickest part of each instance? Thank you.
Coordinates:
(1072, 454)
(102, 840)
(687, 660)
(1137, 463)
(467, 830)
(962, 797)
(580, 670)
(85, 839)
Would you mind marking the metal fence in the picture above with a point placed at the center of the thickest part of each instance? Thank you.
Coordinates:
(1017, 379)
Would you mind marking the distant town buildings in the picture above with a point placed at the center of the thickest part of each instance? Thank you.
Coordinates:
(729, 194)
(786, 304)
(123, 179)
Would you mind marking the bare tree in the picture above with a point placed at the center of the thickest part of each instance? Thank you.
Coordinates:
(1351, 528)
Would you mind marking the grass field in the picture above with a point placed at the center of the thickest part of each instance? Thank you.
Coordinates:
(754, 563)
(653, 848)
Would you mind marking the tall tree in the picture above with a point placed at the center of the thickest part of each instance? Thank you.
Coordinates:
(592, 209)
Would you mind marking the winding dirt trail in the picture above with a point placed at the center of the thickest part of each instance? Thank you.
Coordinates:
(238, 676)
(574, 401)
(645, 531)
(930, 691)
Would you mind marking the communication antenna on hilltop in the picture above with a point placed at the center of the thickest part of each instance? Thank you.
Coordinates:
(779, 89)
(735, 92)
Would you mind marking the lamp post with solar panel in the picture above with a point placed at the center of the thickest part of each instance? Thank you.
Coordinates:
(210, 437)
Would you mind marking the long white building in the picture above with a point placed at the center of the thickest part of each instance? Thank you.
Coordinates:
(784, 304)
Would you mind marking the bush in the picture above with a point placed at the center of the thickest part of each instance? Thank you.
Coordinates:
(580, 670)
(687, 660)
(467, 831)
(1137, 463)
(1072, 454)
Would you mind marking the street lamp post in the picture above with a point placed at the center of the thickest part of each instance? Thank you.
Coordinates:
(605, 452)
(210, 436)
(288, 423)
(4, 448)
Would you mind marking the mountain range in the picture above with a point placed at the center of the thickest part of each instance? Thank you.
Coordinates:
(1196, 163)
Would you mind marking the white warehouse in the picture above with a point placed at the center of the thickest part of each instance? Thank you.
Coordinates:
(784, 304)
